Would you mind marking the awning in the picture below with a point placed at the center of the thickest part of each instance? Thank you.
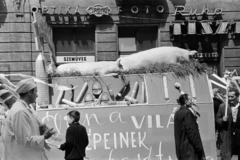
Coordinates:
(206, 27)
(192, 27)
(237, 27)
(177, 27)
(222, 29)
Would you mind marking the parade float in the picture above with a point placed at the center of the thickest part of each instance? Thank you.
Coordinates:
(127, 105)
(128, 111)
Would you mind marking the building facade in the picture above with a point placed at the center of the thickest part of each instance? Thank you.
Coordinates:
(85, 31)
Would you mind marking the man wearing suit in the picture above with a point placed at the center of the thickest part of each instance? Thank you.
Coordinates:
(233, 97)
(188, 142)
(229, 126)
(76, 138)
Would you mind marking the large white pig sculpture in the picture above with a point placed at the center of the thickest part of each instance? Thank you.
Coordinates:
(168, 55)
(88, 68)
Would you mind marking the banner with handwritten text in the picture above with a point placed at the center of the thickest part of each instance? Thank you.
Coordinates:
(141, 132)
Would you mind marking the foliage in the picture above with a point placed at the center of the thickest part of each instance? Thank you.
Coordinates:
(183, 69)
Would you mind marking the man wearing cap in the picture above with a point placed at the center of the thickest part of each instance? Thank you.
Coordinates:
(22, 138)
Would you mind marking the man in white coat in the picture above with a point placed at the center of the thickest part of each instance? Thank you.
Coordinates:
(22, 137)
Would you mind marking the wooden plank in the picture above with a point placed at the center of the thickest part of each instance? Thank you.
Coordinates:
(232, 53)
(16, 27)
(16, 37)
(232, 62)
(7, 47)
(19, 47)
(106, 37)
(108, 46)
(4, 68)
(19, 66)
(107, 56)
(18, 57)
(12, 18)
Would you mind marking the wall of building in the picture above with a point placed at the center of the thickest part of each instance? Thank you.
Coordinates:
(16, 43)
(17, 46)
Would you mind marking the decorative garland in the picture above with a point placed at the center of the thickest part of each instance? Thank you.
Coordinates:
(183, 69)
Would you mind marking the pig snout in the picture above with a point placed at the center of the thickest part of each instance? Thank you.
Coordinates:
(192, 54)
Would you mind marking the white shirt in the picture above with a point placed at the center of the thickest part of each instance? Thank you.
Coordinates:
(235, 112)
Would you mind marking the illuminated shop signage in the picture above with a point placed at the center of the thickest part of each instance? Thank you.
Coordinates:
(135, 9)
(98, 10)
(74, 59)
(191, 11)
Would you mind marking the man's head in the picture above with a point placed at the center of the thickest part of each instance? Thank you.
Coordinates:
(27, 89)
(183, 99)
(73, 116)
(7, 97)
(233, 96)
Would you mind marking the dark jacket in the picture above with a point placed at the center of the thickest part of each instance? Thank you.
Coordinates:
(236, 135)
(187, 137)
(76, 142)
(225, 132)
(216, 103)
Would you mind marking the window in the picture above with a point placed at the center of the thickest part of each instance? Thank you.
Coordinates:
(74, 44)
(135, 39)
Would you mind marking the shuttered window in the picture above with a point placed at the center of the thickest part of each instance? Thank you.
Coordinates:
(135, 39)
(74, 41)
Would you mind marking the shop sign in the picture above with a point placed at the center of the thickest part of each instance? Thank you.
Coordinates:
(192, 11)
(135, 9)
(74, 59)
(98, 10)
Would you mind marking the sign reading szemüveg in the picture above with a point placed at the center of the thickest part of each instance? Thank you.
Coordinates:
(73, 59)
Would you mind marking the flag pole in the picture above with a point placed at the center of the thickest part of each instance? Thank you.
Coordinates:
(40, 63)
(228, 76)
(226, 103)
(36, 32)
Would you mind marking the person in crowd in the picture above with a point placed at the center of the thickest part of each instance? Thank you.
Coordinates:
(76, 138)
(229, 129)
(188, 142)
(217, 101)
(233, 98)
(22, 136)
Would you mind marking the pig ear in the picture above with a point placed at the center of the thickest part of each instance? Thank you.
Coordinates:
(192, 52)
(119, 63)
